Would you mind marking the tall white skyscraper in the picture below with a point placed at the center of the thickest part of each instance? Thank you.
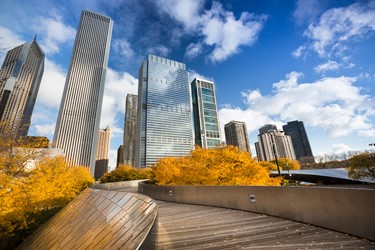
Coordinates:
(20, 77)
(272, 142)
(78, 121)
(206, 121)
(164, 122)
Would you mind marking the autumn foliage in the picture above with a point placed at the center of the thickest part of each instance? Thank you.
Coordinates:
(219, 166)
(362, 166)
(126, 173)
(29, 196)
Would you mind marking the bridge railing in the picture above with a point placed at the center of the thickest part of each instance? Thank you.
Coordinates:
(342, 209)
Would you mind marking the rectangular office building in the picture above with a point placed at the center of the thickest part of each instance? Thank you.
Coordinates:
(206, 122)
(164, 111)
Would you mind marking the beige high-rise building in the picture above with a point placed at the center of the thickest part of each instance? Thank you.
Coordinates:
(102, 153)
(236, 135)
(272, 142)
(78, 121)
(20, 78)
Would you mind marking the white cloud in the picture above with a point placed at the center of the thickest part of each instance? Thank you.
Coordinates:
(184, 11)
(307, 10)
(53, 32)
(8, 40)
(227, 34)
(330, 65)
(340, 148)
(45, 129)
(299, 51)
(193, 50)
(118, 85)
(52, 85)
(123, 48)
(159, 50)
(338, 27)
(217, 28)
(335, 105)
(193, 74)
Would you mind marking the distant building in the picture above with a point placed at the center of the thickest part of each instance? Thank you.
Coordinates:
(78, 120)
(130, 125)
(120, 156)
(164, 111)
(296, 130)
(20, 77)
(272, 142)
(102, 153)
(206, 122)
(236, 135)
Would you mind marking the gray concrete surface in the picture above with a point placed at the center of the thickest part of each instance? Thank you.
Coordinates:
(342, 209)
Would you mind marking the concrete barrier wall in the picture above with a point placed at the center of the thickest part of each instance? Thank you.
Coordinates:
(346, 210)
(97, 219)
(116, 185)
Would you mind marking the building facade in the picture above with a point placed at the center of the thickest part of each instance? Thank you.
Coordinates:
(130, 125)
(236, 135)
(20, 77)
(102, 153)
(301, 144)
(78, 120)
(272, 142)
(164, 111)
(205, 114)
(120, 156)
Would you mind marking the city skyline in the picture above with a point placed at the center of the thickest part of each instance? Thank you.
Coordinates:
(271, 61)
(77, 125)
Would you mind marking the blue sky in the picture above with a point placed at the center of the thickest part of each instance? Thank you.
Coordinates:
(272, 61)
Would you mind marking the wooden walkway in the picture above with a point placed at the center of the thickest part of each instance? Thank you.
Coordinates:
(184, 226)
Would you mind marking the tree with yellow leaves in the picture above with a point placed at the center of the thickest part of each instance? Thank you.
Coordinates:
(30, 197)
(126, 173)
(217, 166)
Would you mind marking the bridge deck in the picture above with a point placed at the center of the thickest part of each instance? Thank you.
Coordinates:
(184, 226)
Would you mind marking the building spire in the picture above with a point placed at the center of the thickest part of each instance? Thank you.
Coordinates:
(35, 37)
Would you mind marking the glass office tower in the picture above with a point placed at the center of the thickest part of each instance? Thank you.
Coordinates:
(20, 77)
(164, 111)
(206, 122)
(77, 126)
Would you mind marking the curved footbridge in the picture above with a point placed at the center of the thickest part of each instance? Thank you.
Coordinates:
(123, 216)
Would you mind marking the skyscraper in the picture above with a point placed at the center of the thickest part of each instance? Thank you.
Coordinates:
(78, 121)
(102, 153)
(272, 142)
(20, 77)
(236, 135)
(129, 129)
(164, 111)
(300, 141)
(206, 122)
